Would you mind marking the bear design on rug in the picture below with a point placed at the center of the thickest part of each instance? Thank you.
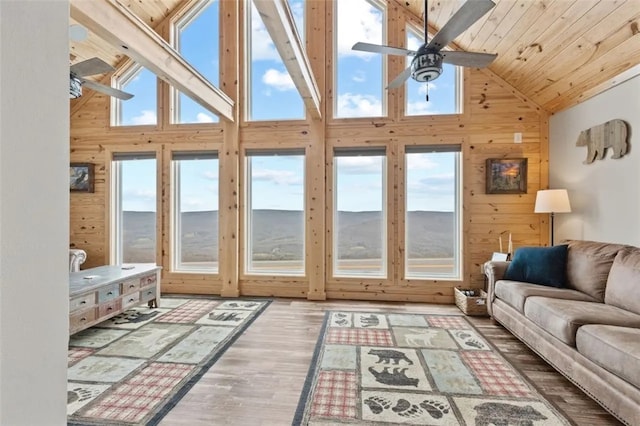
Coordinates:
(502, 414)
(387, 355)
(395, 378)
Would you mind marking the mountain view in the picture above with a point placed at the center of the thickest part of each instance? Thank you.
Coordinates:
(278, 235)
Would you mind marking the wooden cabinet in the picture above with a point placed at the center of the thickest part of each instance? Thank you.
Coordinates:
(100, 293)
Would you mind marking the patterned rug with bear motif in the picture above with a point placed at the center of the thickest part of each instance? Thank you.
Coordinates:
(375, 368)
(133, 368)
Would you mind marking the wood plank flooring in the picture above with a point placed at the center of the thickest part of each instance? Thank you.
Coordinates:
(259, 379)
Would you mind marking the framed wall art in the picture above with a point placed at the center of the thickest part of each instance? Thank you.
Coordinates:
(81, 177)
(506, 175)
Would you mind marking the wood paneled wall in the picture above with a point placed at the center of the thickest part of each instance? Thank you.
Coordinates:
(493, 112)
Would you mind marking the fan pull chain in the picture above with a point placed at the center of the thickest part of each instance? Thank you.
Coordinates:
(427, 83)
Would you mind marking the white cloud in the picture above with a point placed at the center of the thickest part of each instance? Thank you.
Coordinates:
(145, 117)
(201, 117)
(420, 162)
(434, 184)
(364, 165)
(297, 9)
(262, 48)
(278, 80)
(355, 105)
(419, 108)
(359, 76)
(358, 21)
(279, 177)
(209, 175)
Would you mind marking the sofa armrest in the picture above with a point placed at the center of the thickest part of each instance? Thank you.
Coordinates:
(494, 271)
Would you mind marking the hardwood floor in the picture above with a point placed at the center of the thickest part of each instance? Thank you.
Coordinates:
(259, 379)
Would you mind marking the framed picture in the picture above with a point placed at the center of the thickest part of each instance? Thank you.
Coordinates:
(506, 176)
(81, 177)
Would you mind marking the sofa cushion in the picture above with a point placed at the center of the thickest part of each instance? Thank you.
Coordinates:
(623, 284)
(562, 318)
(539, 265)
(515, 293)
(616, 349)
(588, 265)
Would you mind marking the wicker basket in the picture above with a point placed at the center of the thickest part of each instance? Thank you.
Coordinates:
(471, 305)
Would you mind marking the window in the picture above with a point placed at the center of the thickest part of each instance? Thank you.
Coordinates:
(194, 213)
(142, 108)
(444, 92)
(275, 212)
(270, 89)
(133, 218)
(359, 216)
(433, 212)
(197, 40)
(359, 76)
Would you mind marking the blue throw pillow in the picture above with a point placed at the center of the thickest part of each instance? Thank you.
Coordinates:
(539, 265)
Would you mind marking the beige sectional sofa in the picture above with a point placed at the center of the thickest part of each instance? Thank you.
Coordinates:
(589, 330)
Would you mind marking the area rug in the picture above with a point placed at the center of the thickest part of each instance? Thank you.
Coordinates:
(135, 367)
(374, 368)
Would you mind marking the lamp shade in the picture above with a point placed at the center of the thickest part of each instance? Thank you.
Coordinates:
(552, 201)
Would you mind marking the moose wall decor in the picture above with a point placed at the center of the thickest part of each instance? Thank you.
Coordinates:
(612, 134)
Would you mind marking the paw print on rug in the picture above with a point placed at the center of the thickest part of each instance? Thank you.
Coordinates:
(80, 395)
(406, 409)
(377, 404)
(435, 409)
(474, 343)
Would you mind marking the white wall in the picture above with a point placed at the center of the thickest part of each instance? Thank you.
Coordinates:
(604, 195)
(34, 211)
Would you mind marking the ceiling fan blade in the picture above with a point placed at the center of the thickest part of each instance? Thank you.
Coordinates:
(106, 90)
(386, 50)
(466, 16)
(400, 79)
(90, 67)
(467, 59)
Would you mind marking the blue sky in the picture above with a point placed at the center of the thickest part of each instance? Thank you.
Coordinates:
(360, 93)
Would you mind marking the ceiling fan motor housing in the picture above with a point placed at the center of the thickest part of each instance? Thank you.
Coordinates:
(426, 66)
(75, 87)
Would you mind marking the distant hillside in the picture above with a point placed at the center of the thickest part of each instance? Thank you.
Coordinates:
(278, 235)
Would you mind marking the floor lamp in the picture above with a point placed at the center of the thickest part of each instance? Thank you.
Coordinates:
(552, 201)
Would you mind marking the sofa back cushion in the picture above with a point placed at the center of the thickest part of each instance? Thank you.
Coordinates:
(588, 265)
(623, 284)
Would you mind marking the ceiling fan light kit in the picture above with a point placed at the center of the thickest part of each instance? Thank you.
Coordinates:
(75, 87)
(427, 63)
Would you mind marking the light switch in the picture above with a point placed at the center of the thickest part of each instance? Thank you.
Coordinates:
(517, 137)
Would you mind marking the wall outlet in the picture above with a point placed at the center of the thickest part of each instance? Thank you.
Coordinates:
(517, 137)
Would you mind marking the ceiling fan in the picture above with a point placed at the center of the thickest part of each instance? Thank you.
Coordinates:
(426, 65)
(90, 67)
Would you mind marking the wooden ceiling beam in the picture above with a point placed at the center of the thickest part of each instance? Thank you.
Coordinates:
(114, 23)
(278, 20)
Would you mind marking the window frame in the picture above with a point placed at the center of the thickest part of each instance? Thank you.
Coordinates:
(177, 24)
(121, 78)
(113, 234)
(386, 266)
(246, 220)
(175, 248)
(459, 213)
(333, 105)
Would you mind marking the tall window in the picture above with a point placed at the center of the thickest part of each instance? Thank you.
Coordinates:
(142, 108)
(359, 76)
(133, 217)
(194, 213)
(275, 212)
(445, 93)
(197, 40)
(359, 216)
(433, 212)
(271, 92)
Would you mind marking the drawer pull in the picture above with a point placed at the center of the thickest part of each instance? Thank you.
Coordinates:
(132, 300)
(83, 319)
(109, 309)
(132, 285)
(84, 302)
(110, 293)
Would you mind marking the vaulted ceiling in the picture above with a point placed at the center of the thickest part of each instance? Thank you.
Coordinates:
(555, 52)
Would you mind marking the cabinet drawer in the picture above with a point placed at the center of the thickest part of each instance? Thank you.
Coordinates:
(130, 300)
(131, 286)
(109, 308)
(78, 320)
(108, 292)
(148, 280)
(147, 294)
(82, 302)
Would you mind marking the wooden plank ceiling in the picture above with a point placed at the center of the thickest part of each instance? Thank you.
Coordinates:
(556, 52)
